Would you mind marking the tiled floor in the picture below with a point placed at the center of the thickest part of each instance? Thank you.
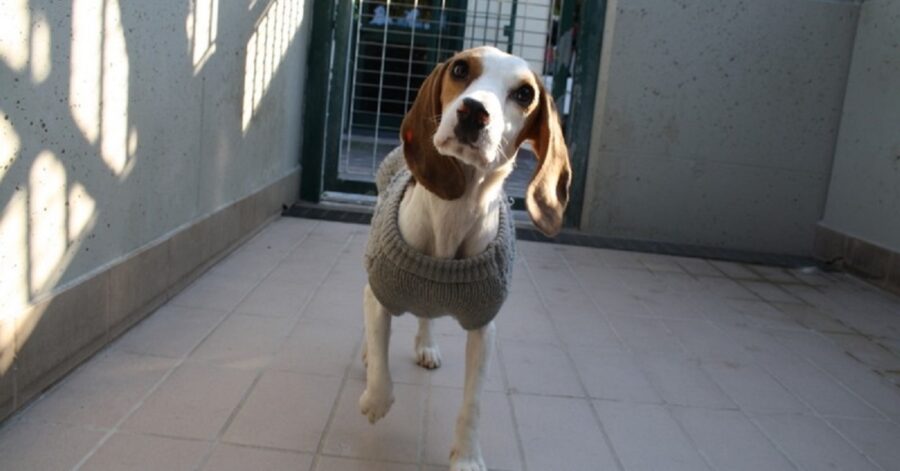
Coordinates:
(606, 361)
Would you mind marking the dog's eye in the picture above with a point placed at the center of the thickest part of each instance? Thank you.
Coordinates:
(523, 95)
(460, 70)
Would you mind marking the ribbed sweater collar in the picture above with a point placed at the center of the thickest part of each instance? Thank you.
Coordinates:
(484, 265)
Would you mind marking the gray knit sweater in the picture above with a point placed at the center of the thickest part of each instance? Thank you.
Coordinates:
(405, 280)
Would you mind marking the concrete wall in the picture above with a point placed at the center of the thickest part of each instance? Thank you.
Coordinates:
(864, 197)
(133, 131)
(716, 121)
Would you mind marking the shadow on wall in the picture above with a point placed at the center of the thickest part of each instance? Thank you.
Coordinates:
(121, 121)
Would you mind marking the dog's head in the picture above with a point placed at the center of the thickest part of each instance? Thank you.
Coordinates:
(477, 109)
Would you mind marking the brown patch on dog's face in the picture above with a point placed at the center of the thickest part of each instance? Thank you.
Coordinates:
(462, 69)
(440, 174)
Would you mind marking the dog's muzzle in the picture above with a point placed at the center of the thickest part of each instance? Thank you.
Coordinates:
(471, 120)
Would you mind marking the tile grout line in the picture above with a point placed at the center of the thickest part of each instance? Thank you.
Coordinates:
(508, 394)
(422, 441)
(178, 363)
(346, 376)
(743, 412)
(239, 406)
(737, 408)
(730, 398)
(825, 418)
(814, 412)
(564, 347)
(666, 405)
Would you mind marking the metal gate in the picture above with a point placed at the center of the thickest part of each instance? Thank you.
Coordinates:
(379, 53)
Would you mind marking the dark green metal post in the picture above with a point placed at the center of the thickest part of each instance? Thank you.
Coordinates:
(316, 100)
(584, 95)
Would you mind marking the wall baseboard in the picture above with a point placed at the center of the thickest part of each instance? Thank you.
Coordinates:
(875, 264)
(62, 330)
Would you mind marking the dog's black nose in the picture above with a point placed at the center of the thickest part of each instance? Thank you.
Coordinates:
(471, 119)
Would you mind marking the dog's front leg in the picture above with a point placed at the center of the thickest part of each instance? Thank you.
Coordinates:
(378, 397)
(466, 454)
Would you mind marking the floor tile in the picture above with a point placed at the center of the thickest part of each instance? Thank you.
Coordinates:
(734, 270)
(561, 434)
(146, 452)
(244, 341)
(762, 314)
(248, 263)
(646, 437)
(812, 444)
(682, 381)
(30, 445)
(729, 441)
(319, 347)
(613, 374)
(877, 439)
(774, 274)
(819, 390)
(213, 291)
(698, 266)
(172, 331)
(497, 432)
(753, 389)
(276, 299)
(103, 391)
(337, 302)
(193, 402)
(282, 235)
(865, 384)
(539, 369)
(227, 457)
(284, 410)
(396, 437)
(578, 322)
(523, 318)
(868, 351)
(329, 463)
(660, 263)
(769, 291)
(812, 317)
(642, 334)
(703, 339)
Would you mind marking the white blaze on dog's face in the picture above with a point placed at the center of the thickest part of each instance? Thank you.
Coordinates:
(486, 97)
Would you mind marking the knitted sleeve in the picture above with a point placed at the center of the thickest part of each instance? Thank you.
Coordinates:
(393, 163)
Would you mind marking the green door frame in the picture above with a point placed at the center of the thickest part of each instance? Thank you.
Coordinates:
(324, 100)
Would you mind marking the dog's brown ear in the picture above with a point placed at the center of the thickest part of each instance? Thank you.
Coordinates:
(548, 192)
(440, 174)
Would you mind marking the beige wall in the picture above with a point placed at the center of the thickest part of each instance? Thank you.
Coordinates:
(864, 196)
(125, 121)
(715, 122)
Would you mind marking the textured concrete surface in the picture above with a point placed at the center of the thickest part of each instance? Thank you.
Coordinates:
(864, 196)
(715, 122)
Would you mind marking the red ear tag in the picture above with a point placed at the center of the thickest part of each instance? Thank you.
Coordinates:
(407, 136)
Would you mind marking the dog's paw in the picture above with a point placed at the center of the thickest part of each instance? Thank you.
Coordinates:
(376, 402)
(458, 462)
(428, 357)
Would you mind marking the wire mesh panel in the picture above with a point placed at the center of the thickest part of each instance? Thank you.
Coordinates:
(394, 45)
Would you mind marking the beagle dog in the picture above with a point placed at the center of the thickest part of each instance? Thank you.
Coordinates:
(459, 142)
